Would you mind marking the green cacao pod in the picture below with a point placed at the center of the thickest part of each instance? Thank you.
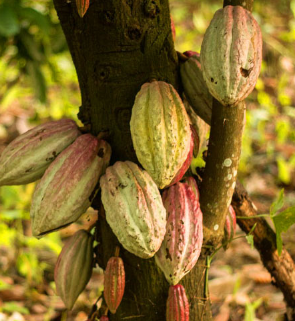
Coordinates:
(63, 194)
(114, 283)
(183, 240)
(195, 88)
(73, 267)
(134, 208)
(160, 131)
(27, 157)
(231, 54)
(177, 306)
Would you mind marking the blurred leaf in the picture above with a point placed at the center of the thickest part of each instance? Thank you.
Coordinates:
(9, 24)
(250, 240)
(4, 285)
(11, 215)
(283, 221)
(11, 307)
(29, 47)
(284, 174)
(39, 84)
(250, 309)
(35, 17)
(277, 204)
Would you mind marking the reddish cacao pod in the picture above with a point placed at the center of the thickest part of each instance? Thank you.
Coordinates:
(231, 54)
(230, 226)
(27, 157)
(134, 208)
(82, 7)
(183, 240)
(190, 181)
(73, 267)
(104, 318)
(114, 283)
(177, 306)
(64, 192)
(190, 53)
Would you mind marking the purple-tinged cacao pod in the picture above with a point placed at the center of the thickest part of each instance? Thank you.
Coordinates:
(27, 157)
(114, 283)
(195, 88)
(160, 131)
(190, 53)
(190, 181)
(229, 226)
(183, 240)
(199, 125)
(64, 192)
(177, 306)
(134, 208)
(187, 163)
(231, 54)
(73, 267)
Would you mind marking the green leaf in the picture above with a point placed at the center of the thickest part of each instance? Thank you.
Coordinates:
(9, 25)
(11, 307)
(283, 221)
(35, 17)
(250, 240)
(277, 204)
(250, 310)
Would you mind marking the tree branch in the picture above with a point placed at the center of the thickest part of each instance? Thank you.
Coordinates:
(282, 268)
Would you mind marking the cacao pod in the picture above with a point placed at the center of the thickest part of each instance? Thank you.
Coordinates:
(63, 194)
(183, 240)
(104, 318)
(200, 126)
(114, 283)
(177, 306)
(160, 131)
(82, 7)
(229, 226)
(195, 88)
(134, 208)
(173, 28)
(231, 54)
(190, 181)
(186, 164)
(73, 267)
(190, 53)
(27, 157)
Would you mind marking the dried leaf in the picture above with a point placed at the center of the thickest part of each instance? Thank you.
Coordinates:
(82, 7)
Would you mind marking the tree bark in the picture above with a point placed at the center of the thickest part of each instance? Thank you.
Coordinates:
(282, 268)
(117, 47)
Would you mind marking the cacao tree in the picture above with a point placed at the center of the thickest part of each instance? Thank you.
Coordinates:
(116, 47)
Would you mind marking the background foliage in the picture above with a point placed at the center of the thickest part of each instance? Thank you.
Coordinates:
(38, 83)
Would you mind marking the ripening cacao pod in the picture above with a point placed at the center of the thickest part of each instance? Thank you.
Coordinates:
(183, 240)
(114, 283)
(231, 54)
(63, 194)
(200, 126)
(195, 88)
(82, 7)
(190, 181)
(134, 208)
(186, 164)
(104, 318)
(177, 306)
(73, 267)
(27, 157)
(160, 131)
(173, 28)
(229, 226)
(190, 53)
